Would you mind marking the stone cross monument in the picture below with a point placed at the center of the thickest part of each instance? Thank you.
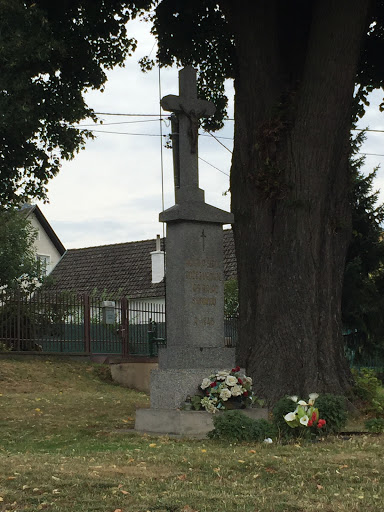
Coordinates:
(194, 274)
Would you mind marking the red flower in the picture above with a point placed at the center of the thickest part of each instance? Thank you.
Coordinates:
(245, 393)
(213, 384)
(310, 423)
(314, 416)
(236, 369)
(321, 423)
(240, 381)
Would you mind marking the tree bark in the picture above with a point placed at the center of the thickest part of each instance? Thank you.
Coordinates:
(290, 185)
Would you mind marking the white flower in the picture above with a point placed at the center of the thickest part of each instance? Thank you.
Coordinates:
(291, 416)
(301, 402)
(205, 384)
(312, 398)
(248, 380)
(225, 394)
(294, 398)
(236, 390)
(304, 420)
(231, 380)
(209, 405)
(211, 408)
(222, 375)
(268, 440)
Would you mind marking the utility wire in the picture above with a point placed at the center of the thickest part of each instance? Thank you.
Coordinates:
(217, 140)
(217, 169)
(228, 119)
(150, 134)
(366, 130)
(161, 147)
(127, 115)
(126, 133)
(121, 122)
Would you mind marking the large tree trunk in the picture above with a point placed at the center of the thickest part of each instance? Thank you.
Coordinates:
(290, 185)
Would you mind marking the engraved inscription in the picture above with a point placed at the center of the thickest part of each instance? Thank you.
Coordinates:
(204, 288)
(203, 278)
(202, 263)
(204, 301)
(198, 275)
(204, 321)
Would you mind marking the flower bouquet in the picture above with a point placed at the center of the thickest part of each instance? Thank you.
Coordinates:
(305, 415)
(226, 390)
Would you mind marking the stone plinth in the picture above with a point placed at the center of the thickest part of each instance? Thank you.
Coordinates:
(195, 313)
(170, 388)
(184, 423)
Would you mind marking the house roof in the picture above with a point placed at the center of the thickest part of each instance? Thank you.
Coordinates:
(120, 269)
(28, 209)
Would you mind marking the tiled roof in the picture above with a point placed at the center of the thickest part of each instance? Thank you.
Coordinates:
(120, 269)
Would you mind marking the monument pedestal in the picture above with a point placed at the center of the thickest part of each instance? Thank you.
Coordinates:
(170, 388)
(184, 423)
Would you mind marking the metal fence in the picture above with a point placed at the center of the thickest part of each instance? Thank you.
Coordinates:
(70, 323)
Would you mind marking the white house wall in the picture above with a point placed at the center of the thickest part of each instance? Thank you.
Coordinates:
(140, 311)
(44, 245)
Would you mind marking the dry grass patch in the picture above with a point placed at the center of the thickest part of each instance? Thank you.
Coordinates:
(68, 456)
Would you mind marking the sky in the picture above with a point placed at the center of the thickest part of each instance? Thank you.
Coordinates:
(114, 190)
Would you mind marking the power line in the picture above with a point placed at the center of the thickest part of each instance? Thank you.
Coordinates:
(121, 122)
(217, 140)
(217, 169)
(149, 134)
(228, 119)
(366, 130)
(223, 138)
(127, 115)
(126, 133)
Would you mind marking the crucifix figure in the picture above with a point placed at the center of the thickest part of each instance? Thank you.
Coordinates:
(188, 110)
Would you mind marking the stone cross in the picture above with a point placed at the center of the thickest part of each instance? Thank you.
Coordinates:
(188, 109)
(195, 279)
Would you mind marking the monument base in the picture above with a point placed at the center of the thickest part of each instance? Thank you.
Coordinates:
(184, 423)
(170, 388)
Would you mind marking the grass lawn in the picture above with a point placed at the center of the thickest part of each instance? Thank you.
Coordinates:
(65, 446)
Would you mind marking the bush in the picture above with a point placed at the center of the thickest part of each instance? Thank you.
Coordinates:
(366, 384)
(236, 426)
(369, 388)
(375, 425)
(281, 408)
(333, 409)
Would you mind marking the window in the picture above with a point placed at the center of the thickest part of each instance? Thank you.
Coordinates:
(44, 262)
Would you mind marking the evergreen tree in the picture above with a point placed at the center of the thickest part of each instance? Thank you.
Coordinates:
(363, 288)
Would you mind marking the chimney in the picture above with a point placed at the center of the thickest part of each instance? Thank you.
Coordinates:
(157, 263)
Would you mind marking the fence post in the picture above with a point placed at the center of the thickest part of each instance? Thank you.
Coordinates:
(87, 324)
(18, 327)
(124, 330)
